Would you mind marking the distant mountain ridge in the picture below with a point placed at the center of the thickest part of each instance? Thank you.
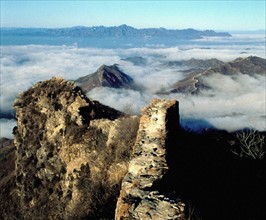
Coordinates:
(194, 83)
(196, 69)
(114, 31)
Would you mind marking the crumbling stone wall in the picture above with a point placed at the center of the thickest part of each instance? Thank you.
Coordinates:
(139, 196)
(72, 154)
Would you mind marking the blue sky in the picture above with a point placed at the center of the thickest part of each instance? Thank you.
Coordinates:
(212, 14)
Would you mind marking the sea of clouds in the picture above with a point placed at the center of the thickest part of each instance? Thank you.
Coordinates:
(234, 102)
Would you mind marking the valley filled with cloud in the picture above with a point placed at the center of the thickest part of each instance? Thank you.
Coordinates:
(232, 102)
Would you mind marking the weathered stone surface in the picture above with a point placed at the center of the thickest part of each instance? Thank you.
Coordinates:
(140, 197)
(72, 153)
(7, 175)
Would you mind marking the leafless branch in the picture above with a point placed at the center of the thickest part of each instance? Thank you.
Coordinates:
(251, 144)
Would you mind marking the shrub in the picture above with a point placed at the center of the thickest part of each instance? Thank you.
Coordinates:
(251, 144)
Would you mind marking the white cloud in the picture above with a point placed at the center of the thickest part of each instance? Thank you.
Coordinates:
(121, 98)
(239, 100)
(6, 128)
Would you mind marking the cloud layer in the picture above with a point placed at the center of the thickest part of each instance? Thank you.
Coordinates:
(232, 103)
(238, 102)
(6, 127)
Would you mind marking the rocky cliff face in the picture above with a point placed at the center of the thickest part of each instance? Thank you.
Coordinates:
(140, 197)
(72, 154)
(7, 176)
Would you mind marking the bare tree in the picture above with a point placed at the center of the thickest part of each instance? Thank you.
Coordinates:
(251, 144)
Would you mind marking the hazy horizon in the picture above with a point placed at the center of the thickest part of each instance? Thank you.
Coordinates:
(247, 31)
(199, 15)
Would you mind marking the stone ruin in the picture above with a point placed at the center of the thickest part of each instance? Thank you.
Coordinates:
(79, 159)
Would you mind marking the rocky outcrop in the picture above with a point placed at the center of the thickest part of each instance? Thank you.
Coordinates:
(140, 196)
(7, 176)
(105, 76)
(72, 153)
(78, 159)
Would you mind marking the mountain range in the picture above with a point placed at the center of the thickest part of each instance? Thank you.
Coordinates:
(194, 69)
(122, 31)
(194, 82)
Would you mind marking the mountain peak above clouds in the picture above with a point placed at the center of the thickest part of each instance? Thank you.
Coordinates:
(249, 65)
(105, 76)
(193, 83)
